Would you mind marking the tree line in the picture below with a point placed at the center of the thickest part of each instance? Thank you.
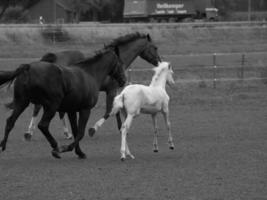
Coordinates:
(112, 10)
(86, 10)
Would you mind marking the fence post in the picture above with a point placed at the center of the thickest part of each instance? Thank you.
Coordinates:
(242, 67)
(214, 70)
(129, 76)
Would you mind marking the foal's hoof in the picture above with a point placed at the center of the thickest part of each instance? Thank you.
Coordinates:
(172, 147)
(28, 136)
(56, 153)
(91, 132)
(123, 159)
(156, 150)
(68, 136)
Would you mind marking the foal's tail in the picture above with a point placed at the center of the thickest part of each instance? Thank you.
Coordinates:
(118, 104)
(7, 77)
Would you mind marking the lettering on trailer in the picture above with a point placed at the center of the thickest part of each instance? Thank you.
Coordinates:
(165, 8)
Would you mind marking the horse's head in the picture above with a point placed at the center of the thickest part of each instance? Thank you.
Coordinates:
(118, 72)
(150, 52)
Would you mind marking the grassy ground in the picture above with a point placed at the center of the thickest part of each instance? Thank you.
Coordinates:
(220, 153)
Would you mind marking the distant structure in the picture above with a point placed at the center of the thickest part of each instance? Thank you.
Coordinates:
(53, 11)
(41, 20)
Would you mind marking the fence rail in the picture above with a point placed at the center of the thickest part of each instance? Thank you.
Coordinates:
(193, 68)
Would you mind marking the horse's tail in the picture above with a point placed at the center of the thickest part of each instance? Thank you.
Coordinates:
(49, 57)
(7, 77)
(118, 104)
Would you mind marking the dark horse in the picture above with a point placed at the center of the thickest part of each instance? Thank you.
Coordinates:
(64, 89)
(130, 46)
(63, 58)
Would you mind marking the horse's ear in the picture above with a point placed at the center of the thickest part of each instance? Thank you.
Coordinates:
(169, 65)
(148, 37)
(117, 51)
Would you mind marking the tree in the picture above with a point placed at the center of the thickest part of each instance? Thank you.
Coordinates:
(25, 4)
(4, 4)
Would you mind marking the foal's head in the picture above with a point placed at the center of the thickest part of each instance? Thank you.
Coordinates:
(163, 72)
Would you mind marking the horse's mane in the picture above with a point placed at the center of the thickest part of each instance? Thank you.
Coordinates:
(92, 59)
(49, 57)
(127, 38)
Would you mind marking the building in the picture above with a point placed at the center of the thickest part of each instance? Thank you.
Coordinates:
(52, 11)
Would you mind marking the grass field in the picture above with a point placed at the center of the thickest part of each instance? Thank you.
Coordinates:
(220, 138)
(219, 133)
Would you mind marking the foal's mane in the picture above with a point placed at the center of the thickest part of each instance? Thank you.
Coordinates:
(158, 72)
(127, 38)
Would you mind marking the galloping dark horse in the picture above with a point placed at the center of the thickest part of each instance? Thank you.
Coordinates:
(65, 89)
(130, 46)
(63, 58)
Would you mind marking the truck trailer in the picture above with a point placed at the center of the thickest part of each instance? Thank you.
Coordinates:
(169, 10)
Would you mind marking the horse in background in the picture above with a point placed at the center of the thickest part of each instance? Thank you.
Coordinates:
(130, 47)
(136, 99)
(63, 58)
(62, 89)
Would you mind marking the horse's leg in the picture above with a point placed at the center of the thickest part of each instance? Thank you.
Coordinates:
(10, 122)
(32, 126)
(44, 127)
(168, 124)
(155, 140)
(110, 95)
(119, 123)
(66, 132)
(124, 130)
(74, 128)
(83, 118)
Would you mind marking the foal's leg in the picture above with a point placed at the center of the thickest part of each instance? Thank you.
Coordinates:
(66, 132)
(155, 140)
(10, 122)
(168, 124)
(124, 130)
(110, 95)
(83, 118)
(32, 126)
(44, 127)
(74, 128)
(128, 153)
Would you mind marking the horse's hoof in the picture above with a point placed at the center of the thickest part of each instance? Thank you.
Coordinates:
(2, 147)
(56, 154)
(172, 147)
(91, 132)
(28, 136)
(156, 150)
(64, 148)
(82, 156)
(122, 159)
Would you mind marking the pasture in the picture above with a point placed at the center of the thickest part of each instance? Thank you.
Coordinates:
(220, 153)
(219, 135)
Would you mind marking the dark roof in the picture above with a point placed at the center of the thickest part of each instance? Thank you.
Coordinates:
(64, 4)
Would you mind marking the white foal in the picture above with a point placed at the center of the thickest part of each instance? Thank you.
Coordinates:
(152, 99)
